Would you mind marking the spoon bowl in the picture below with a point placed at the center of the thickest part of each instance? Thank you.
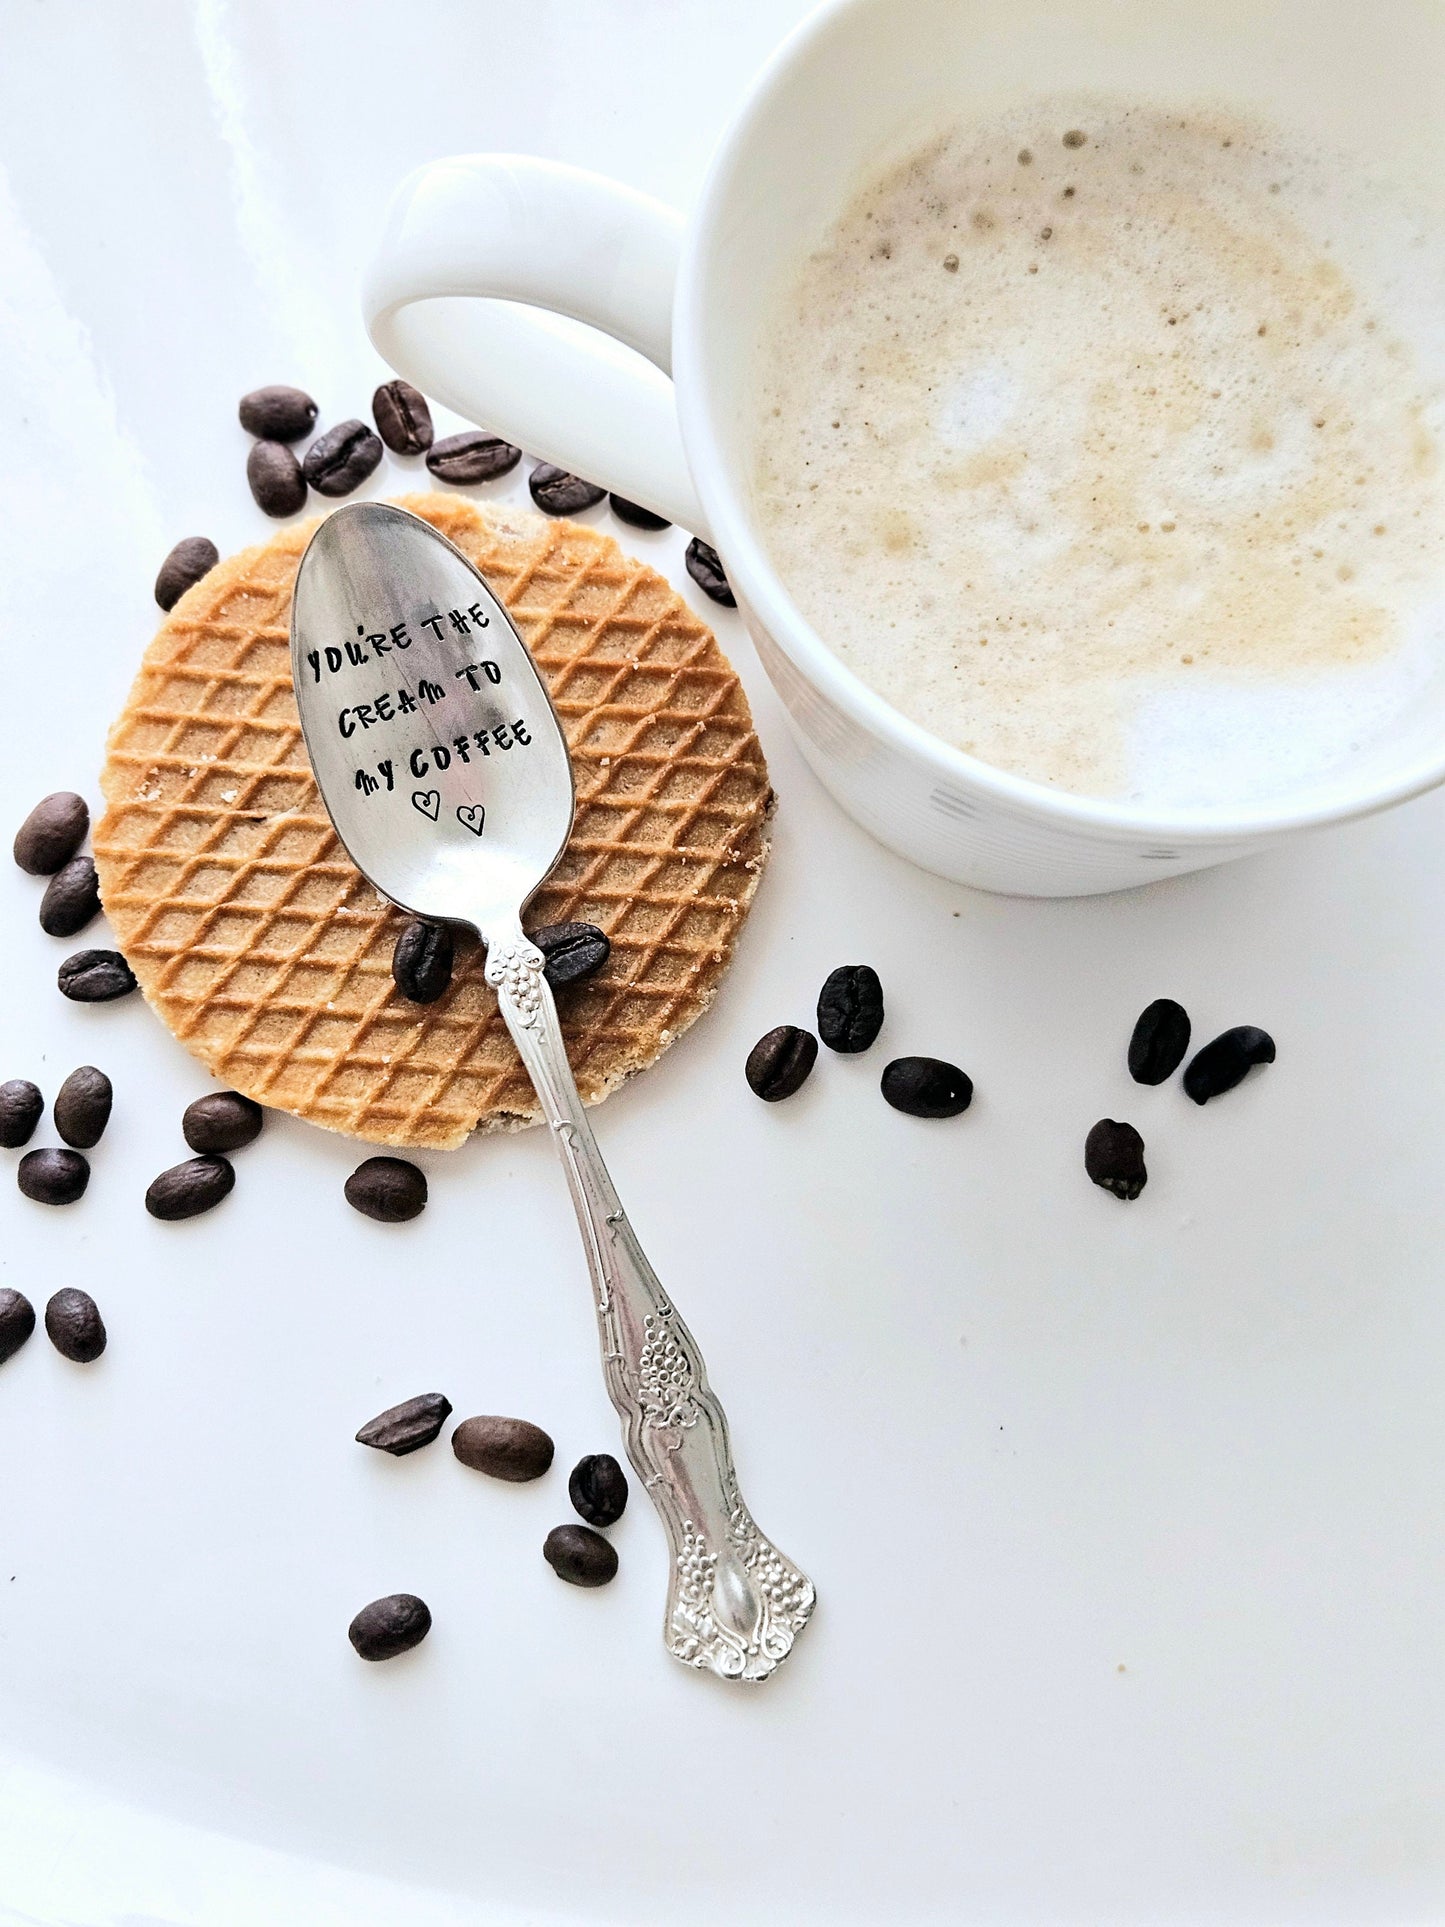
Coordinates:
(430, 732)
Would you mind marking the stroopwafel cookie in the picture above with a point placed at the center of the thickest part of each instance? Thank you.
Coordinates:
(266, 953)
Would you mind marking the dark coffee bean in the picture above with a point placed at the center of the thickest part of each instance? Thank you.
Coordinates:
(278, 413)
(53, 1177)
(406, 1427)
(52, 833)
(20, 1107)
(560, 493)
(95, 977)
(189, 1188)
(17, 1321)
(402, 417)
(222, 1121)
(421, 963)
(580, 1556)
(636, 514)
(927, 1087)
(342, 458)
(72, 898)
(472, 456)
(506, 1448)
(1161, 1037)
(850, 1008)
(779, 1063)
(387, 1189)
(573, 951)
(598, 1489)
(390, 1626)
(1224, 1062)
(1114, 1158)
(82, 1107)
(193, 556)
(74, 1326)
(707, 572)
(275, 478)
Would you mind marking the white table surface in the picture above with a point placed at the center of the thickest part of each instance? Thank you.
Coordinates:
(1127, 1521)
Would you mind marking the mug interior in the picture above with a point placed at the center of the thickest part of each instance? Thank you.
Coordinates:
(865, 82)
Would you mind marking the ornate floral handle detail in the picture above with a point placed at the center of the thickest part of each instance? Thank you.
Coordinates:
(735, 1604)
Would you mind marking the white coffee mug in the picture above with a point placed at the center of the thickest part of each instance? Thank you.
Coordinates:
(490, 262)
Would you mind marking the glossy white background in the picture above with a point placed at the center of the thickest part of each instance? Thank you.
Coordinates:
(1127, 1521)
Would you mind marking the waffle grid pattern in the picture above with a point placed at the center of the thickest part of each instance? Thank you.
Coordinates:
(268, 955)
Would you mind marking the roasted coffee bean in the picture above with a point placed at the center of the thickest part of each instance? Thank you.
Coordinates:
(387, 1189)
(52, 833)
(17, 1321)
(1114, 1158)
(402, 418)
(1161, 1037)
(72, 899)
(193, 556)
(850, 1008)
(636, 514)
(472, 456)
(707, 572)
(580, 1556)
(506, 1448)
(1224, 1062)
(53, 1177)
(95, 977)
(390, 1626)
(20, 1107)
(406, 1427)
(275, 478)
(421, 963)
(278, 413)
(559, 492)
(342, 458)
(927, 1087)
(573, 951)
(598, 1489)
(222, 1121)
(82, 1107)
(779, 1063)
(74, 1326)
(189, 1188)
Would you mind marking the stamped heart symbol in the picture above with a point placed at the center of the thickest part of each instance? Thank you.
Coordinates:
(429, 802)
(473, 816)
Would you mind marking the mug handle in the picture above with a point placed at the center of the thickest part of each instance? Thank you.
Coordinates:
(487, 264)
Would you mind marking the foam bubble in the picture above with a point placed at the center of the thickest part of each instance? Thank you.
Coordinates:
(1061, 456)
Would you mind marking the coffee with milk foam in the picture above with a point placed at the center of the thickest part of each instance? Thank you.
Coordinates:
(1104, 442)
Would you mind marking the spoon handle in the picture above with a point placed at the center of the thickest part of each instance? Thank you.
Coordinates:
(734, 1603)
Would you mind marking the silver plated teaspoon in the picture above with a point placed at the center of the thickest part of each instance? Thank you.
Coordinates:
(443, 766)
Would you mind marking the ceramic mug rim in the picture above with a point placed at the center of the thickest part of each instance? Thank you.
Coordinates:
(763, 596)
